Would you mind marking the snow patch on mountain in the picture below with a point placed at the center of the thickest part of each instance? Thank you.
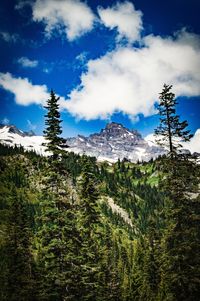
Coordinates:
(193, 145)
(115, 142)
(11, 136)
(110, 144)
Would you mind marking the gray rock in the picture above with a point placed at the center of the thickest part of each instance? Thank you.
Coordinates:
(113, 142)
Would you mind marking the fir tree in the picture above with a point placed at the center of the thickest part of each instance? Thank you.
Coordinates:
(58, 249)
(180, 267)
(53, 129)
(171, 132)
(54, 143)
(20, 284)
(90, 230)
(180, 263)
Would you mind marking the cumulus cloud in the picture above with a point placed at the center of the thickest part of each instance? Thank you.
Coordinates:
(27, 63)
(25, 92)
(72, 17)
(129, 79)
(124, 18)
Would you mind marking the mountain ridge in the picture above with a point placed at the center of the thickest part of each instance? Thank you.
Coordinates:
(113, 142)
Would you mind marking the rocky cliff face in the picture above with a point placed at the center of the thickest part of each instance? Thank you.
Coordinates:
(113, 142)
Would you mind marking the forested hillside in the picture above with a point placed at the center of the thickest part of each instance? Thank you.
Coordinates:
(72, 228)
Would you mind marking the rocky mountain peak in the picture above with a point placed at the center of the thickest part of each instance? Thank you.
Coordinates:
(116, 130)
(113, 142)
(113, 128)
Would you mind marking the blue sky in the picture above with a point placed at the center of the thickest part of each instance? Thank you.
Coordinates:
(107, 60)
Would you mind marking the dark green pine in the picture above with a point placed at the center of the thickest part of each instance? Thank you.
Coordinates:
(58, 249)
(53, 129)
(90, 231)
(180, 265)
(180, 256)
(170, 128)
(20, 279)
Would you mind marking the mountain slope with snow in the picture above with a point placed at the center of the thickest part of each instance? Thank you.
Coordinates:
(11, 136)
(113, 142)
(193, 145)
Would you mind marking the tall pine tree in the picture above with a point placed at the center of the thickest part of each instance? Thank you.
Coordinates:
(180, 264)
(171, 131)
(90, 231)
(53, 129)
(54, 142)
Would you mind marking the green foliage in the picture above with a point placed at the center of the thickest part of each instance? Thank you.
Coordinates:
(180, 244)
(73, 246)
(90, 231)
(179, 263)
(17, 264)
(53, 129)
(170, 126)
(58, 243)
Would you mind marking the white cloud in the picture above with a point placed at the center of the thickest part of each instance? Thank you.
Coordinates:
(73, 17)
(129, 79)
(124, 18)
(25, 92)
(5, 121)
(82, 57)
(194, 144)
(22, 3)
(26, 62)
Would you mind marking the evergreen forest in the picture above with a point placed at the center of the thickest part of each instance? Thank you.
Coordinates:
(72, 228)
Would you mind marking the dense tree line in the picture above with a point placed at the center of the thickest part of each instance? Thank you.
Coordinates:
(60, 239)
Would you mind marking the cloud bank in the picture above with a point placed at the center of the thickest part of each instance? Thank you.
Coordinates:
(129, 79)
(124, 18)
(24, 91)
(72, 17)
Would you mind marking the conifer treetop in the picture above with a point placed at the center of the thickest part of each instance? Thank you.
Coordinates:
(171, 132)
(54, 142)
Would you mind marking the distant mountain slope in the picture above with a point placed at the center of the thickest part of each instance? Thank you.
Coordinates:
(113, 142)
(193, 145)
(11, 135)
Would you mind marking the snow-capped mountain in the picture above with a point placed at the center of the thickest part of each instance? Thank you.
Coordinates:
(113, 142)
(193, 145)
(11, 135)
